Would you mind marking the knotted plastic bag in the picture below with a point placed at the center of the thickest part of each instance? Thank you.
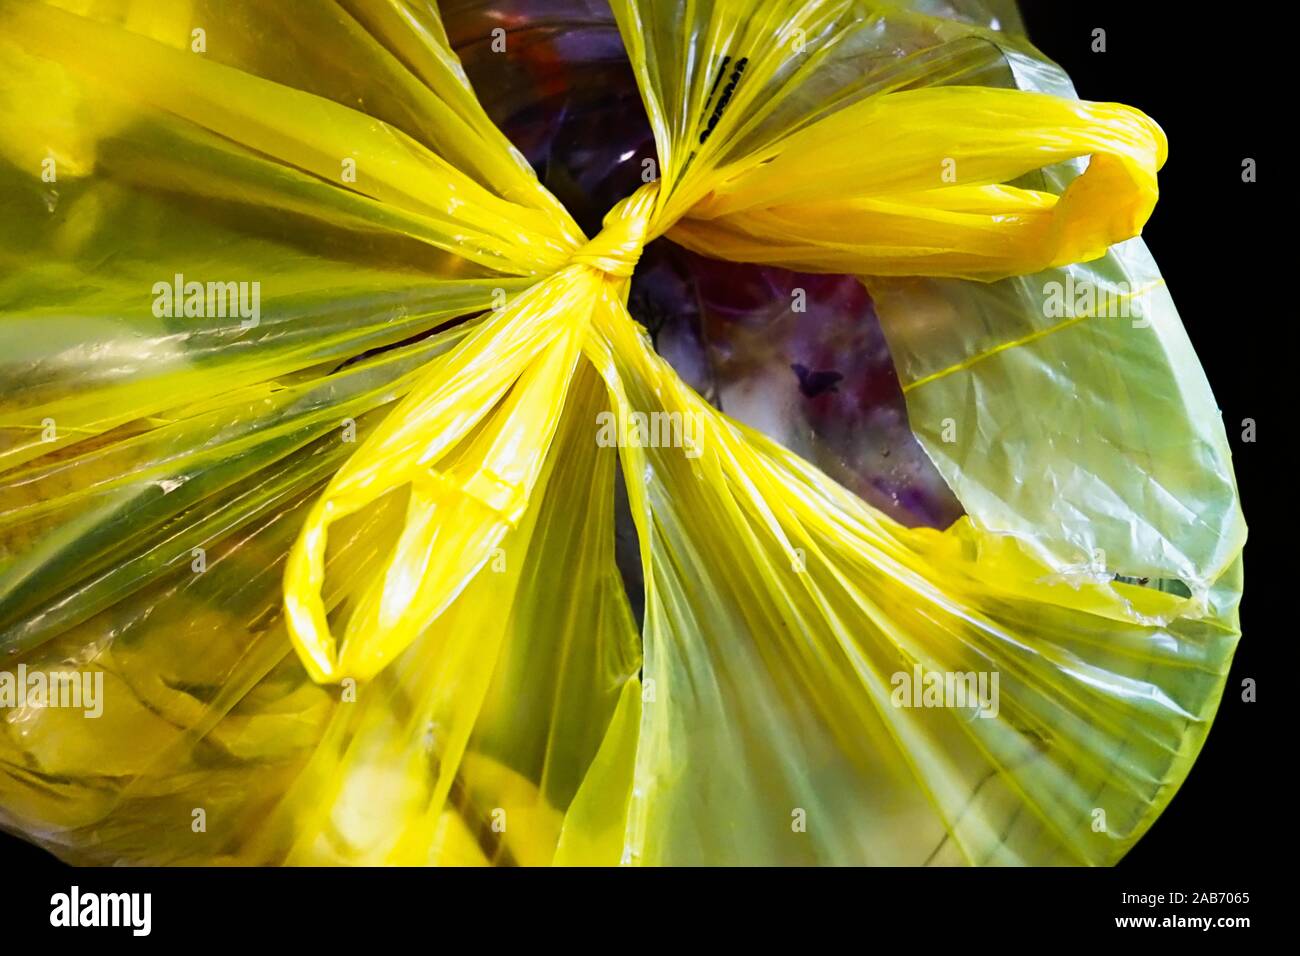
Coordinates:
(323, 455)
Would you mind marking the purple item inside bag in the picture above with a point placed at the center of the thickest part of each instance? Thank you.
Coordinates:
(801, 357)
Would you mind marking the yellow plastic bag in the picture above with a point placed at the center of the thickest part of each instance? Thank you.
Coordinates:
(436, 500)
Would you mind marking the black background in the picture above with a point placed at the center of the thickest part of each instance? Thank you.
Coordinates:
(1210, 82)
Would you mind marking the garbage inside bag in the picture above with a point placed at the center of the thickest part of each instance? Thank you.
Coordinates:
(314, 398)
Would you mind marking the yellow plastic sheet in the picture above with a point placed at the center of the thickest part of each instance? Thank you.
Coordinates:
(423, 511)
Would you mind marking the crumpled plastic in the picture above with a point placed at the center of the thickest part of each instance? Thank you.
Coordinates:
(393, 472)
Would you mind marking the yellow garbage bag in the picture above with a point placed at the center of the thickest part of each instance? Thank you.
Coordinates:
(313, 400)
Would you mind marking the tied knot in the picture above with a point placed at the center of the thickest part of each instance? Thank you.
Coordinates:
(617, 247)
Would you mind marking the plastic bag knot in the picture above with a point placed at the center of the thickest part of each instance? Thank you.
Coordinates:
(617, 247)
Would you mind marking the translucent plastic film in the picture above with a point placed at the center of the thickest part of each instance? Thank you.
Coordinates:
(915, 168)
(315, 404)
(812, 621)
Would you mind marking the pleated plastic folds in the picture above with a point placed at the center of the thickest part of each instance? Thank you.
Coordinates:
(346, 564)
